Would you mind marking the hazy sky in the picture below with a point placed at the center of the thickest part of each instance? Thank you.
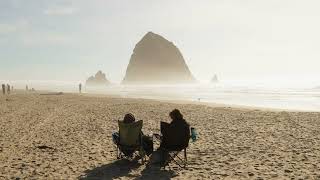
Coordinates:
(237, 39)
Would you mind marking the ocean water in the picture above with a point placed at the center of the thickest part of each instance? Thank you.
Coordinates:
(302, 98)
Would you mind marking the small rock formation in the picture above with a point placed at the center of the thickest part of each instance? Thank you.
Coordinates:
(214, 79)
(98, 80)
(156, 60)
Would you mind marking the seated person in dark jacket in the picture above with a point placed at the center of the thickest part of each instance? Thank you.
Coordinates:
(177, 119)
(175, 134)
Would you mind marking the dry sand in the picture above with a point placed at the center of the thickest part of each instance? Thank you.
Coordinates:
(69, 136)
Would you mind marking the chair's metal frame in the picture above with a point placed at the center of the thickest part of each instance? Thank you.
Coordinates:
(174, 157)
(135, 149)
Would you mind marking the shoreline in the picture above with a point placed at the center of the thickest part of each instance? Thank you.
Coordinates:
(193, 102)
(209, 104)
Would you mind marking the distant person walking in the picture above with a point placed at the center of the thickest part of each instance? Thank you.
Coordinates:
(80, 88)
(27, 88)
(8, 89)
(3, 89)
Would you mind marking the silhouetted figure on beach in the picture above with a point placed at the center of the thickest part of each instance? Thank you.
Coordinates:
(8, 89)
(177, 122)
(27, 88)
(3, 89)
(177, 118)
(80, 88)
(174, 137)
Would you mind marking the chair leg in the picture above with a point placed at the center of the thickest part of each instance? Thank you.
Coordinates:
(143, 160)
(118, 155)
(185, 158)
(174, 157)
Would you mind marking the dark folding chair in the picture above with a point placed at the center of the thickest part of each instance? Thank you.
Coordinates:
(130, 140)
(174, 141)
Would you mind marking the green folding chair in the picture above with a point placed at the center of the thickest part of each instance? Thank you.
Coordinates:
(130, 143)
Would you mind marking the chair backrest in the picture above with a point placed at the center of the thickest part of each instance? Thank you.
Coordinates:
(130, 134)
(175, 138)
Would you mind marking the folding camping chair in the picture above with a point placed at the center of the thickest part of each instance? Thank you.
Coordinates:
(174, 141)
(130, 141)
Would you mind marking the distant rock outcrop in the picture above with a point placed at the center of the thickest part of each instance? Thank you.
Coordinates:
(215, 79)
(157, 60)
(98, 80)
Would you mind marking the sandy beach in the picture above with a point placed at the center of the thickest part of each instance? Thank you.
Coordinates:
(69, 137)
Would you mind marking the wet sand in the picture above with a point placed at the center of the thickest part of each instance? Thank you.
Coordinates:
(68, 136)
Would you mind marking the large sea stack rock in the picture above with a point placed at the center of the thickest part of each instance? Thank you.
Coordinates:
(156, 60)
(98, 80)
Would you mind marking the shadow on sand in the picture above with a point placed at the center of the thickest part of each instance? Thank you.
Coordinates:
(123, 168)
(117, 169)
(154, 172)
